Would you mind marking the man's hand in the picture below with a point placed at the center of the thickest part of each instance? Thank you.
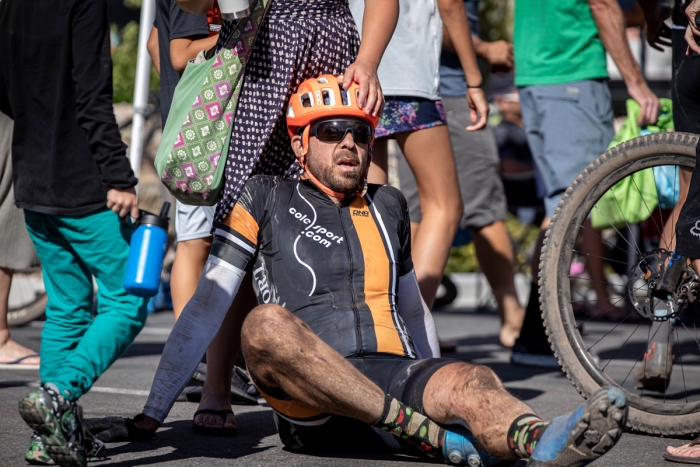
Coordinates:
(117, 429)
(692, 31)
(647, 100)
(371, 97)
(655, 30)
(123, 202)
(499, 53)
(478, 108)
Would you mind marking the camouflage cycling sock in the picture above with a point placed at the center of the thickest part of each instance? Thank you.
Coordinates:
(524, 433)
(414, 427)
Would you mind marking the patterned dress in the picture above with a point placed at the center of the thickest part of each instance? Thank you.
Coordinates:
(298, 39)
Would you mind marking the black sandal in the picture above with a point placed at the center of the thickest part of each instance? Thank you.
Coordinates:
(211, 430)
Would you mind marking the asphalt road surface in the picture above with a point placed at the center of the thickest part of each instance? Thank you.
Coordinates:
(122, 391)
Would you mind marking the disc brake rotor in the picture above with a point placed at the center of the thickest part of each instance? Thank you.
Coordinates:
(644, 278)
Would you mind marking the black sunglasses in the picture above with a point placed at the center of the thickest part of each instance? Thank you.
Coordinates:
(333, 131)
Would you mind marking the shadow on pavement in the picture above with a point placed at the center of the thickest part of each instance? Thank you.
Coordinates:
(140, 349)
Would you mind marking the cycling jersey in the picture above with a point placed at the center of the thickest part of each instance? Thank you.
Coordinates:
(344, 269)
(334, 266)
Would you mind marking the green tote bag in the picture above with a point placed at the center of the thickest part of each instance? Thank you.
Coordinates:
(198, 130)
(634, 198)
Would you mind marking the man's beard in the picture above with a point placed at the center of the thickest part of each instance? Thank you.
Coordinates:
(340, 181)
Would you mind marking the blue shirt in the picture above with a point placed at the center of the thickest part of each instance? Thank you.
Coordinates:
(452, 80)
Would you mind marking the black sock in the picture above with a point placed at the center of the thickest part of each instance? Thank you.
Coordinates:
(414, 427)
(524, 433)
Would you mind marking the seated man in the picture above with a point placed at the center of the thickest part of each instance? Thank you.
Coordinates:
(342, 343)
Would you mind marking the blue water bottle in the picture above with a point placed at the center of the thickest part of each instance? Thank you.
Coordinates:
(148, 244)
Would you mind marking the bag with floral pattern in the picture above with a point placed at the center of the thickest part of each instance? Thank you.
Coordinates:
(189, 160)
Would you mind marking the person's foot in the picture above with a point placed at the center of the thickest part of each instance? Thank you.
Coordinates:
(215, 401)
(59, 424)
(654, 373)
(508, 334)
(526, 353)
(36, 454)
(688, 453)
(12, 352)
(580, 437)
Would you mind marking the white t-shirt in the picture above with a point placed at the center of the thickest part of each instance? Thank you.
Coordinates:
(411, 63)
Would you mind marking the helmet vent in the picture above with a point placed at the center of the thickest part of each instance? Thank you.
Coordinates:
(306, 100)
(328, 96)
(290, 111)
(322, 81)
(344, 98)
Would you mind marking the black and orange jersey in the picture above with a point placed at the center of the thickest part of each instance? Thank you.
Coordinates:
(337, 267)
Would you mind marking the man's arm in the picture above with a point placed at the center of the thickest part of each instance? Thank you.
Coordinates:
(152, 46)
(378, 24)
(611, 28)
(184, 49)
(455, 19)
(497, 53)
(92, 76)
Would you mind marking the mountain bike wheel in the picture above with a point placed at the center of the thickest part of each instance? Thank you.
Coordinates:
(27, 300)
(611, 351)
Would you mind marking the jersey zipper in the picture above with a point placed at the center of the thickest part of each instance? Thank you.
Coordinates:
(350, 284)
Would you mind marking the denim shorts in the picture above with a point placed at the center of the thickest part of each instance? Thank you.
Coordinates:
(568, 126)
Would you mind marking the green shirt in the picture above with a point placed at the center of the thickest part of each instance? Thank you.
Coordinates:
(556, 42)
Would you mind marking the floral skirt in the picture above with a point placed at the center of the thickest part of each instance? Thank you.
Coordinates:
(407, 113)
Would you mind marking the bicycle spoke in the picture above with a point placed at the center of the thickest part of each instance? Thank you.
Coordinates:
(601, 257)
(680, 360)
(595, 232)
(618, 232)
(620, 349)
(651, 215)
(612, 190)
(691, 335)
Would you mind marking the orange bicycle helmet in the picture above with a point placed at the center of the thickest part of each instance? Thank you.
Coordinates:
(323, 97)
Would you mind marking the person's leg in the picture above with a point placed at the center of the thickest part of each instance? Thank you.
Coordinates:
(429, 154)
(495, 254)
(473, 396)
(221, 356)
(69, 290)
(101, 241)
(379, 167)
(190, 258)
(9, 349)
(192, 226)
(284, 355)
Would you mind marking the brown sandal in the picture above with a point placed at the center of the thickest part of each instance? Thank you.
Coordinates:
(685, 460)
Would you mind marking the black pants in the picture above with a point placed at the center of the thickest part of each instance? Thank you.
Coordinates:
(685, 92)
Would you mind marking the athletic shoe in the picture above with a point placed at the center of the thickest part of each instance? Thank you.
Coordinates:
(530, 354)
(58, 422)
(582, 436)
(654, 374)
(36, 454)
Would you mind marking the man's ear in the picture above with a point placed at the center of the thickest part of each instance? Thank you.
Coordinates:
(297, 145)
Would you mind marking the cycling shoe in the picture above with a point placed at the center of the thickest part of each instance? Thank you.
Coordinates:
(580, 437)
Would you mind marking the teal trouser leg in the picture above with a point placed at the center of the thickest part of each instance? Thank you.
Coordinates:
(76, 347)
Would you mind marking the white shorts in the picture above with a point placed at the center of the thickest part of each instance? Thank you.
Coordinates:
(193, 222)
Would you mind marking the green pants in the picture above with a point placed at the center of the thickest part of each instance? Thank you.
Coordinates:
(78, 343)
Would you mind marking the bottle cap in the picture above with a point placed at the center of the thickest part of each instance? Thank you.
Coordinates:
(148, 218)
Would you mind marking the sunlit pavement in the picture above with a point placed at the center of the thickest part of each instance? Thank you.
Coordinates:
(122, 391)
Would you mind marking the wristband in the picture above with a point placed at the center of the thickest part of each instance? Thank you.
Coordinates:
(474, 87)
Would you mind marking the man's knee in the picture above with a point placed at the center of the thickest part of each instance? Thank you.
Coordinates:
(478, 377)
(264, 329)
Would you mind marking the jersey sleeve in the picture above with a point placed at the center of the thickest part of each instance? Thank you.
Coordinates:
(236, 239)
